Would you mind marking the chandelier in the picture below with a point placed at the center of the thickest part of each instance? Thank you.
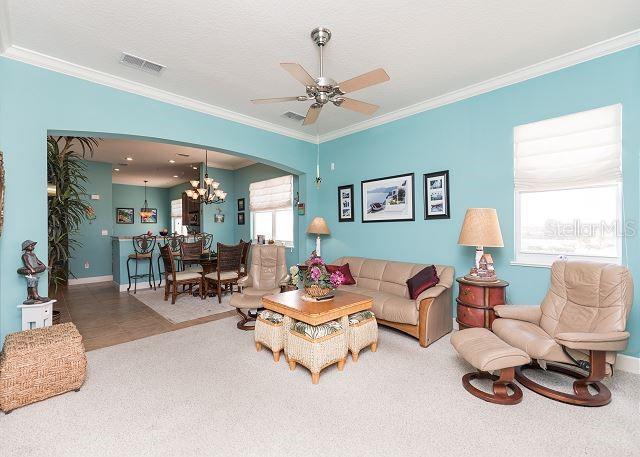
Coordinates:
(145, 211)
(210, 192)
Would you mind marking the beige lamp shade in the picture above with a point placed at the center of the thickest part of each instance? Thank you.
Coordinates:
(481, 228)
(318, 227)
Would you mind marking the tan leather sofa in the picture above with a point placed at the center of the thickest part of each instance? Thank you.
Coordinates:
(427, 318)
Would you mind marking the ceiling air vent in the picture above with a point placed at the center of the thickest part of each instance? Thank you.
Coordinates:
(293, 116)
(141, 64)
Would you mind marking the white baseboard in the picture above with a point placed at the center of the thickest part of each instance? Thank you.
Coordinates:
(106, 278)
(624, 362)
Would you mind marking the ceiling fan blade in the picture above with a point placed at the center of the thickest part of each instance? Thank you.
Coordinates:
(360, 82)
(312, 114)
(259, 101)
(298, 72)
(358, 106)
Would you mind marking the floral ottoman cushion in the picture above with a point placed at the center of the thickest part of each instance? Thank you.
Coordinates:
(316, 331)
(271, 316)
(359, 317)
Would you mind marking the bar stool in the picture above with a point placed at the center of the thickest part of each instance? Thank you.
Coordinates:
(143, 251)
(175, 243)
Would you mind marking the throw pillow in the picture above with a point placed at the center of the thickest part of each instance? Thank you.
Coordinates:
(346, 272)
(424, 279)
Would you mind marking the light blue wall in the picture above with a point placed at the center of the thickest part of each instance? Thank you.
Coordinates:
(474, 140)
(224, 232)
(94, 247)
(35, 101)
(125, 196)
(243, 177)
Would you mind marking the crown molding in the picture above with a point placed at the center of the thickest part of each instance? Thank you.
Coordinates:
(78, 71)
(569, 59)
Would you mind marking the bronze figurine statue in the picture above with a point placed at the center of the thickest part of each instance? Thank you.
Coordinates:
(32, 268)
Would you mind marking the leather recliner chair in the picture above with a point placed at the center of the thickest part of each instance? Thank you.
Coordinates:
(581, 322)
(267, 271)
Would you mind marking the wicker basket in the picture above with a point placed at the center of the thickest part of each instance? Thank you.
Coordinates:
(316, 354)
(271, 335)
(316, 291)
(40, 363)
(361, 335)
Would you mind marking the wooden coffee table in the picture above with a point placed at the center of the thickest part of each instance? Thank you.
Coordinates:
(316, 312)
(316, 354)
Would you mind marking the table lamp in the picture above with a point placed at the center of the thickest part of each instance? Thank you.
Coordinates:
(481, 228)
(318, 227)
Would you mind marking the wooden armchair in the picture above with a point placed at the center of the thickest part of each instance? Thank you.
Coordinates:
(174, 278)
(227, 270)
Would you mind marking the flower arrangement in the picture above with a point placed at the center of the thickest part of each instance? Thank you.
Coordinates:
(317, 281)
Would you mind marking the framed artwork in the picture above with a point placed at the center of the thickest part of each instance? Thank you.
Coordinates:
(152, 218)
(300, 209)
(389, 199)
(124, 215)
(241, 204)
(436, 195)
(240, 218)
(345, 203)
(218, 218)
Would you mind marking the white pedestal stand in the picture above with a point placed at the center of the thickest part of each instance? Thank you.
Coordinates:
(38, 315)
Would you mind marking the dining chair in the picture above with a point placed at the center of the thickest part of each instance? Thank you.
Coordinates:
(227, 271)
(174, 241)
(143, 246)
(207, 241)
(174, 278)
(191, 253)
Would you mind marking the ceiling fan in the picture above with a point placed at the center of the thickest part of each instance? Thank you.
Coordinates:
(322, 90)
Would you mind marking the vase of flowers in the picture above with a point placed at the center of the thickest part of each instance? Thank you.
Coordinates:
(317, 281)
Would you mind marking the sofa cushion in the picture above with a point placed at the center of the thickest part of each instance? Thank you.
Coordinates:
(421, 281)
(346, 272)
(389, 307)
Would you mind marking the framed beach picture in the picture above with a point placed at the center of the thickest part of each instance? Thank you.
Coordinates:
(241, 204)
(436, 195)
(240, 218)
(124, 215)
(345, 203)
(152, 218)
(389, 199)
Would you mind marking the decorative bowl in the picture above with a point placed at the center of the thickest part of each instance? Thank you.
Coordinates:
(316, 291)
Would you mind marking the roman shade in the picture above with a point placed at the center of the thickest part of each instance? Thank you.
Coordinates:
(176, 208)
(272, 194)
(569, 152)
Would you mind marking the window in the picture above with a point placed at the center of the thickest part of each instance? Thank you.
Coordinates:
(271, 206)
(568, 187)
(176, 218)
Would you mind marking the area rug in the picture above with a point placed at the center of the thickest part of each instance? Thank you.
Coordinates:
(186, 308)
(205, 391)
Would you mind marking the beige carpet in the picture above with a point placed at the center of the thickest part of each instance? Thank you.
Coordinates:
(205, 391)
(186, 308)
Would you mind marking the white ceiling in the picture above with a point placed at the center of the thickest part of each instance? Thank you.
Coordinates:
(225, 53)
(151, 162)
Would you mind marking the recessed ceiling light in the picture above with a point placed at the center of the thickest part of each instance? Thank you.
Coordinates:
(116, 169)
(175, 176)
(129, 158)
(195, 168)
(172, 161)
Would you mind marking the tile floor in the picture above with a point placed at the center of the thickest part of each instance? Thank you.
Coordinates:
(105, 317)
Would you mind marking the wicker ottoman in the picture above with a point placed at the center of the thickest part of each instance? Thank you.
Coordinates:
(316, 346)
(40, 363)
(269, 332)
(363, 332)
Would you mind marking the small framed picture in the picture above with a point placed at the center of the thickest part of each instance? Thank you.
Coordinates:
(345, 203)
(152, 218)
(124, 215)
(240, 218)
(241, 204)
(218, 218)
(300, 209)
(436, 195)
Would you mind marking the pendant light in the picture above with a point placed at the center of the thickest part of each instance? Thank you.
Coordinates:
(145, 211)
